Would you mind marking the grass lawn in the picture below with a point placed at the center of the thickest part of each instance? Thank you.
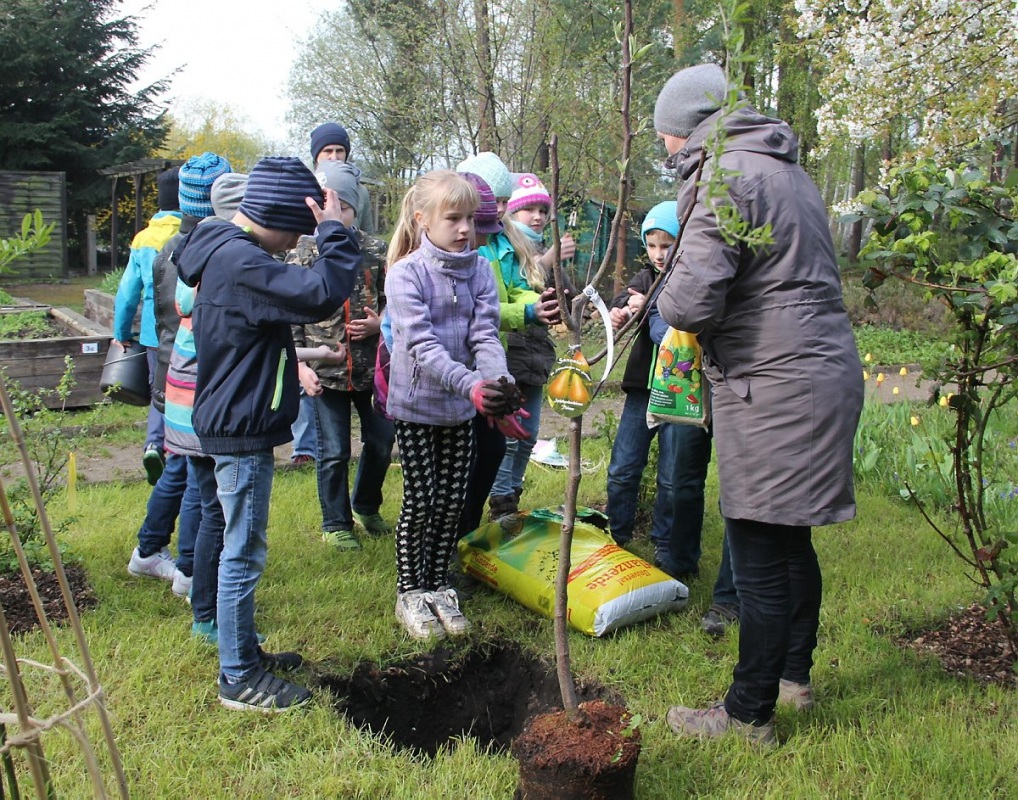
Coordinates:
(886, 723)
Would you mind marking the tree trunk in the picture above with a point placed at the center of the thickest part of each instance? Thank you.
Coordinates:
(486, 132)
(858, 184)
(679, 28)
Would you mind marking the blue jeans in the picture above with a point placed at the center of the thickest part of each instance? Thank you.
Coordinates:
(188, 522)
(244, 484)
(779, 583)
(332, 424)
(156, 426)
(692, 446)
(305, 443)
(517, 451)
(171, 498)
(209, 543)
(625, 469)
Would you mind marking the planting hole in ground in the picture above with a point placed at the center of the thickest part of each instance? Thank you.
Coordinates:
(437, 698)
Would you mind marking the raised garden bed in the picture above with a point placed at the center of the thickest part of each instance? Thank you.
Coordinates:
(99, 309)
(38, 362)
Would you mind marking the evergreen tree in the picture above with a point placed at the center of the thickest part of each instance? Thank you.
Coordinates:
(65, 98)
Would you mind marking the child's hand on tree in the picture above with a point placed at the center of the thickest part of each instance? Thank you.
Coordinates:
(546, 310)
(635, 302)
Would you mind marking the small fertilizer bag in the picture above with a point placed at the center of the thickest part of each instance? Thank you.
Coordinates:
(608, 587)
(678, 392)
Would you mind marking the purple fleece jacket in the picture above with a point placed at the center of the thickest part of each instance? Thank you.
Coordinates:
(444, 311)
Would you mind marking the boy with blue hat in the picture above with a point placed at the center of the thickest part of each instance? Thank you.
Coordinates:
(246, 394)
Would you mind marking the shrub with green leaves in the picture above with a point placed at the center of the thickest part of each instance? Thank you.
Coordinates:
(953, 231)
(49, 443)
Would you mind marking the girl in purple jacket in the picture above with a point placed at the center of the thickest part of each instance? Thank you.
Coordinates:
(447, 362)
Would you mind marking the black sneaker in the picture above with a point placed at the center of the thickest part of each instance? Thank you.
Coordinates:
(263, 692)
(718, 618)
(280, 662)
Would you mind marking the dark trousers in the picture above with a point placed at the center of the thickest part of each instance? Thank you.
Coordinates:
(209, 543)
(333, 422)
(779, 586)
(489, 446)
(436, 465)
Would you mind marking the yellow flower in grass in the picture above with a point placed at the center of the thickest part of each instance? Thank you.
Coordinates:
(942, 402)
(903, 371)
(868, 358)
(880, 378)
(914, 420)
(865, 375)
(895, 390)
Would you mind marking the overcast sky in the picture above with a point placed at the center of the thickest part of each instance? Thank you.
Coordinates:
(230, 51)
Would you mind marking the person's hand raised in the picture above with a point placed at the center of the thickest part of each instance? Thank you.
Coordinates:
(330, 211)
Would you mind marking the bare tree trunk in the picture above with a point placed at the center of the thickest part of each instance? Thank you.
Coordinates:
(486, 133)
(858, 184)
(679, 27)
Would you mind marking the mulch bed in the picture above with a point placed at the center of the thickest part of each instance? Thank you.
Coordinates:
(968, 645)
(17, 603)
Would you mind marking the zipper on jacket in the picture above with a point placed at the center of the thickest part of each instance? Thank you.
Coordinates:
(277, 396)
(454, 298)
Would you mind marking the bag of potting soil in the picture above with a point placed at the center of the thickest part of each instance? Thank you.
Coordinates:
(608, 587)
(678, 392)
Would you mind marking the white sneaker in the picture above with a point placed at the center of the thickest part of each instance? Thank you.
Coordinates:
(413, 611)
(446, 605)
(182, 584)
(157, 565)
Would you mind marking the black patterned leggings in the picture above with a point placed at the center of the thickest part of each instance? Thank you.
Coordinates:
(436, 467)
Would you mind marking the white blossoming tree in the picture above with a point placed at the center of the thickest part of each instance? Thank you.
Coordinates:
(904, 79)
(932, 76)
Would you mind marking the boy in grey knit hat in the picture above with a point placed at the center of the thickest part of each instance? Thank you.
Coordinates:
(334, 387)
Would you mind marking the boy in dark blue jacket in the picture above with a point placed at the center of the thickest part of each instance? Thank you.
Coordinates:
(246, 396)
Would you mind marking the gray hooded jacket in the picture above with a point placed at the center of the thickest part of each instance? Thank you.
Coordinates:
(778, 347)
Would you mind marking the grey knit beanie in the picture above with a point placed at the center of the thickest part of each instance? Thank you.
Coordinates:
(342, 179)
(228, 193)
(688, 98)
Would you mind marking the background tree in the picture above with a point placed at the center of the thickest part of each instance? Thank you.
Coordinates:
(906, 78)
(198, 127)
(65, 104)
(412, 95)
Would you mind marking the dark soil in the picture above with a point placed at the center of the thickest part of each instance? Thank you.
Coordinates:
(969, 646)
(488, 692)
(17, 603)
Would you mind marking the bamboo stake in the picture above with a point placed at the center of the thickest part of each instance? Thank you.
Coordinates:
(72, 612)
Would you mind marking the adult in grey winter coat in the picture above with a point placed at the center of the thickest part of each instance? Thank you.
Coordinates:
(786, 379)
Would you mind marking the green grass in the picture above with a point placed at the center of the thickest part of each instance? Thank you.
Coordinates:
(889, 346)
(68, 293)
(887, 723)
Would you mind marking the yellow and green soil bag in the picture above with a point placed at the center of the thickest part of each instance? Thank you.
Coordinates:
(608, 587)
